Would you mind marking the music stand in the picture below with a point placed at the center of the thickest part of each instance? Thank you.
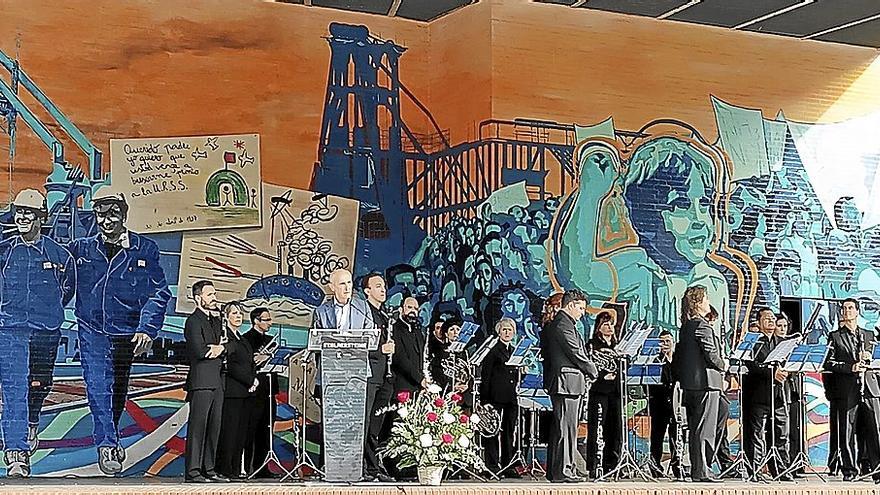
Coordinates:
(302, 459)
(805, 358)
(279, 357)
(777, 356)
(628, 348)
(743, 352)
(474, 362)
(536, 400)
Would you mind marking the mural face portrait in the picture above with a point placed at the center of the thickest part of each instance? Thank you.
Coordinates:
(110, 217)
(27, 220)
(514, 304)
(689, 220)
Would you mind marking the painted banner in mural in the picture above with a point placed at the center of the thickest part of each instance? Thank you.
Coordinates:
(285, 265)
(189, 183)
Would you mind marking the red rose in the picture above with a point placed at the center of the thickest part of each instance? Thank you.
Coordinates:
(403, 397)
(455, 398)
(463, 418)
(439, 402)
(447, 438)
(432, 416)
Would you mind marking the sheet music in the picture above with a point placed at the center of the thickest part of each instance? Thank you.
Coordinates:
(780, 353)
(743, 351)
(483, 351)
(635, 337)
(521, 352)
(806, 358)
(468, 330)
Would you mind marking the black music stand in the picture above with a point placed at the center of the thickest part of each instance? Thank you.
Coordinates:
(519, 358)
(778, 356)
(278, 358)
(806, 358)
(627, 467)
(743, 353)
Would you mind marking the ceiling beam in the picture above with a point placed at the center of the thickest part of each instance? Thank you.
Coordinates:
(392, 11)
(756, 20)
(678, 9)
(842, 26)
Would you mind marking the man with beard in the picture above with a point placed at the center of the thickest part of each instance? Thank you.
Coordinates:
(38, 280)
(205, 345)
(407, 367)
(379, 386)
(121, 296)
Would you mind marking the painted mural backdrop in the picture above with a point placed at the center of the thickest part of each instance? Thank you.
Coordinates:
(484, 229)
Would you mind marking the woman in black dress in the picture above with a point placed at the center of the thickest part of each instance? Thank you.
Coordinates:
(240, 383)
(603, 405)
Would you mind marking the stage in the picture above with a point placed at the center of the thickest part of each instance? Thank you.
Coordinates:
(810, 486)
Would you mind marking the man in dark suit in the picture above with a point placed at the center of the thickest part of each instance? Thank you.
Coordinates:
(262, 406)
(498, 387)
(205, 343)
(407, 367)
(847, 350)
(698, 366)
(662, 413)
(759, 383)
(379, 386)
(565, 366)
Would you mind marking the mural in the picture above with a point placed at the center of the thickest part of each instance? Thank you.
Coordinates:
(482, 229)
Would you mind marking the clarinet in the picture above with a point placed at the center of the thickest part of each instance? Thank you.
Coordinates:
(390, 338)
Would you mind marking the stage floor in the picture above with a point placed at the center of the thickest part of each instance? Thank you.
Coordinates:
(810, 486)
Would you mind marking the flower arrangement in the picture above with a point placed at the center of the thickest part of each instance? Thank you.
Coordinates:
(431, 430)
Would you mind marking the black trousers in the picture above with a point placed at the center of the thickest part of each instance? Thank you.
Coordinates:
(260, 408)
(701, 407)
(662, 423)
(869, 436)
(603, 411)
(378, 397)
(203, 430)
(757, 434)
(233, 432)
(500, 450)
(843, 430)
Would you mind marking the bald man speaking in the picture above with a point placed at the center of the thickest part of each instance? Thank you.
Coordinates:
(342, 311)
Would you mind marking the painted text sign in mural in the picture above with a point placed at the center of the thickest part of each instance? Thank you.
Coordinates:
(189, 183)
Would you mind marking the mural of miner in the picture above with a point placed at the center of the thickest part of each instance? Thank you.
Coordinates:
(121, 299)
(38, 280)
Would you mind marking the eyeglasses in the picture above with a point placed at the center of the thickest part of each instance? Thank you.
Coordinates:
(264, 319)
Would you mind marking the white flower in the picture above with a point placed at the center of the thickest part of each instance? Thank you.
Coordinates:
(434, 388)
(403, 412)
(475, 419)
(426, 441)
(464, 442)
(448, 418)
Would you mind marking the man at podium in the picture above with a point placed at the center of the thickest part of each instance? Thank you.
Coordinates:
(342, 311)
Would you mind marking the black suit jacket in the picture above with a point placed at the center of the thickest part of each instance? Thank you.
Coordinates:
(409, 348)
(843, 352)
(199, 331)
(660, 396)
(240, 368)
(378, 360)
(757, 382)
(497, 380)
(565, 357)
(697, 362)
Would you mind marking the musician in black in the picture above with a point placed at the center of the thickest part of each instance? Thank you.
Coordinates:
(847, 352)
(380, 387)
(796, 398)
(261, 407)
(498, 388)
(660, 406)
(759, 383)
(434, 351)
(603, 404)
(449, 369)
(407, 366)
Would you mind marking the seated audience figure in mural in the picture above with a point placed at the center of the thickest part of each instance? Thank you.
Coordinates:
(668, 189)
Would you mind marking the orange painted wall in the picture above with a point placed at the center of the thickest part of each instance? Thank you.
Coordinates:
(576, 65)
(126, 68)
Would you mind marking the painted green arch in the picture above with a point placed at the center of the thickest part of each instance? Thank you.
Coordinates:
(220, 177)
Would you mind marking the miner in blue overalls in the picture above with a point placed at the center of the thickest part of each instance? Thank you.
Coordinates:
(38, 280)
(120, 306)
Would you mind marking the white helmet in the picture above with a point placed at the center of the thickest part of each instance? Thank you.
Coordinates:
(30, 198)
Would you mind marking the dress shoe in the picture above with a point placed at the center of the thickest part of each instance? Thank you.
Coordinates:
(196, 479)
(368, 477)
(219, 478)
(384, 477)
(707, 480)
(785, 477)
(510, 473)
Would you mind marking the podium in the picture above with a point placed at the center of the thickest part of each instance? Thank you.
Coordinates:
(345, 370)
